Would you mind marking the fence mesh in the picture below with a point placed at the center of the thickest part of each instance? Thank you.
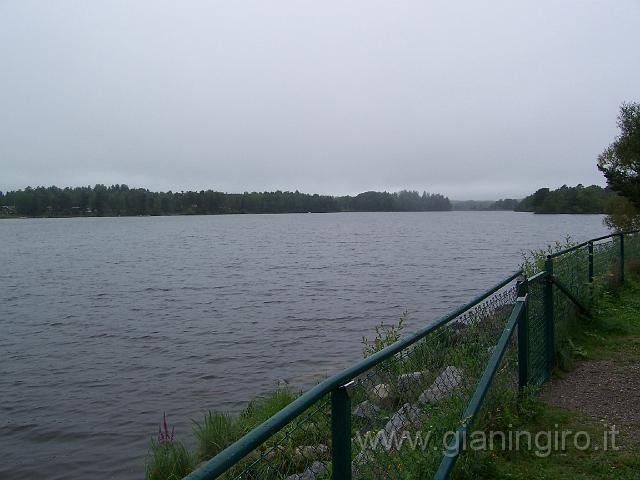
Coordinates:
(632, 251)
(572, 271)
(606, 264)
(493, 416)
(300, 451)
(403, 409)
(537, 368)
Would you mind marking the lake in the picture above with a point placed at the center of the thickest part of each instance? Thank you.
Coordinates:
(108, 322)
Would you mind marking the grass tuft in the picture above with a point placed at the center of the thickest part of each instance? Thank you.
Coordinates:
(216, 432)
(168, 461)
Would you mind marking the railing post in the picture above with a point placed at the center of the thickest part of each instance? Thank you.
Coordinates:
(621, 258)
(590, 246)
(590, 262)
(549, 324)
(341, 433)
(523, 336)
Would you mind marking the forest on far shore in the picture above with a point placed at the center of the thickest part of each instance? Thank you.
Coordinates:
(578, 199)
(120, 200)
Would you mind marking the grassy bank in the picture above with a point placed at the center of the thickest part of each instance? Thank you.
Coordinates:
(170, 459)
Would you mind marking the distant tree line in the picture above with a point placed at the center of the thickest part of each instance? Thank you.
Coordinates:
(403, 201)
(485, 205)
(472, 205)
(120, 200)
(505, 204)
(578, 199)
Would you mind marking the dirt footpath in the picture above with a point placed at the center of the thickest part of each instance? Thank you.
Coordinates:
(606, 390)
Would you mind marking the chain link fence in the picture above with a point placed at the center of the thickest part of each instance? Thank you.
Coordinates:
(300, 451)
(404, 407)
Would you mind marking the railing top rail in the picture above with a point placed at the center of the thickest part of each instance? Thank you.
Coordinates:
(571, 249)
(235, 452)
(580, 245)
(537, 277)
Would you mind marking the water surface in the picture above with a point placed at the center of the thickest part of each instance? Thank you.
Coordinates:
(106, 323)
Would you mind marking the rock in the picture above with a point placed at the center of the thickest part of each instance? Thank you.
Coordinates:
(308, 451)
(381, 395)
(271, 454)
(458, 329)
(366, 410)
(282, 384)
(408, 382)
(443, 386)
(360, 460)
(310, 473)
(407, 416)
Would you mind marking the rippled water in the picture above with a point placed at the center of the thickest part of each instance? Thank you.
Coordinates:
(106, 323)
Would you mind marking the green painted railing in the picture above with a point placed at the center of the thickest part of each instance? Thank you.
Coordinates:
(534, 307)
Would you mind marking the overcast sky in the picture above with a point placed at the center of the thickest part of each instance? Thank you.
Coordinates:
(477, 99)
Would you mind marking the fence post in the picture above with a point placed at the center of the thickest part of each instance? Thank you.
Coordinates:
(523, 336)
(590, 244)
(341, 433)
(590, 262)
(621, 257)
(549, 325)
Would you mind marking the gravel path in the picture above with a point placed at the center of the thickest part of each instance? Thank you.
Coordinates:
(606, 390)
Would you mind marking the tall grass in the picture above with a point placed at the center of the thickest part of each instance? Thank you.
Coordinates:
(168, 458)
(168, 461)
(216, 432)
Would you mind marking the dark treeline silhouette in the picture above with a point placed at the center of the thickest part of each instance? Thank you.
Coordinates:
(403, 201)
(505, 204)
(578, 199)
(121, 200)
(485, 205)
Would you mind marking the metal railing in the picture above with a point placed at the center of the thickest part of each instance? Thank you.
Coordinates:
(353, 424)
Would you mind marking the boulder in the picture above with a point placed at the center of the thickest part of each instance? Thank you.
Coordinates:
(308, 451)
(408, 382)
(282, 384)
(272, 453)
(366, 410)
(381, 395)
(443, 386)
(310, 473)
(360, 460)
(407, 416)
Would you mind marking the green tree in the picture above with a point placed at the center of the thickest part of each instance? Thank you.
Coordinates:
(622, 215)
(620, 162)
(578, 199)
